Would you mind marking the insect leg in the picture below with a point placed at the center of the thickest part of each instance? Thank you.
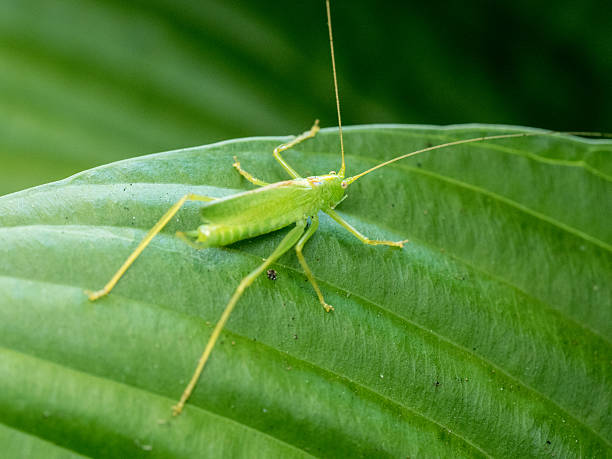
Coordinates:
(288, 241)
(149, 236)
(346, 225)
(298, 250)
(285, 146)
(246, 175)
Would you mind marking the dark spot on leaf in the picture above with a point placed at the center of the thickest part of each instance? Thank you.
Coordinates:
(271, 274)
(419, 164)
(437, 383)
(294, 336)
(548, 442)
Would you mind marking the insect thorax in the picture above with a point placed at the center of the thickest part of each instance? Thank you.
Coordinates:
(329, 187)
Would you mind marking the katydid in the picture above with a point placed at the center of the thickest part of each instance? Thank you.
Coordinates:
(271, 207)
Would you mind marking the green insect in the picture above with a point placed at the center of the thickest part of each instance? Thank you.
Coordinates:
(273, 206)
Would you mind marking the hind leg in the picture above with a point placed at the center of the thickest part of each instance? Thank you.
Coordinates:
(144, 243)
(288, 241)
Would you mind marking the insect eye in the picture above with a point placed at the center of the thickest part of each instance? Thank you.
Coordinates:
(332, 172)
(343, 184)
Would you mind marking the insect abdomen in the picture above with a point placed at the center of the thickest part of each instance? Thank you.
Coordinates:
(257, 212)
(215, 235)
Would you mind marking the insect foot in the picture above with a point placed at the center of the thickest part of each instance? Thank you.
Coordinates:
(93, 296)
(328, 307)
(177, 409)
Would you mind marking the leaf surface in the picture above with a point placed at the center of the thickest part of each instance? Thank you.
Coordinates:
(489, 334)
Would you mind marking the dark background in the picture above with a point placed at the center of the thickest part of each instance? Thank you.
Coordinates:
(84, 82)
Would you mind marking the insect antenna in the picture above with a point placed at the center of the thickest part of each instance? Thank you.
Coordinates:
(350, 180)
(333, 59)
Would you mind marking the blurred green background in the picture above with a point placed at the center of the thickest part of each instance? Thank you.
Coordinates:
(85, 82)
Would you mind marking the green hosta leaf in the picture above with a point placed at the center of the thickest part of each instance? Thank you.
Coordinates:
(488, 334)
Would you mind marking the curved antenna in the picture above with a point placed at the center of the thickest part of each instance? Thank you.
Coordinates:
(350, 180)
(331, 46)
